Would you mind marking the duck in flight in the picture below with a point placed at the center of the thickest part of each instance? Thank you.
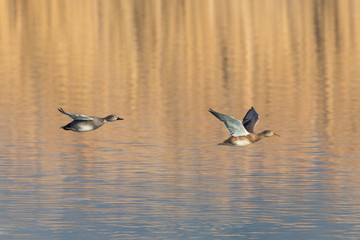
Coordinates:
(83, 123)
(242, 133)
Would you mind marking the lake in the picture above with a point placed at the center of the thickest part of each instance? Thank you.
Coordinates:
(160, 65)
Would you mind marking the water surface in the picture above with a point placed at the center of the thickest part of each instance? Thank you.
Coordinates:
(159, 173)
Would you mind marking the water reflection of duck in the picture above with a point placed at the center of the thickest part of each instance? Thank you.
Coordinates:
(242, 133)
(83, 123)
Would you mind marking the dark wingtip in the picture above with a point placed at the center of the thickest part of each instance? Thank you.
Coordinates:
(119, 118)
(253, 109)
(61, 110)
(210, 110)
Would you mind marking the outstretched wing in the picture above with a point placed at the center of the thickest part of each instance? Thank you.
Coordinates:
(75, 116)
(250, 120)
(234, 126)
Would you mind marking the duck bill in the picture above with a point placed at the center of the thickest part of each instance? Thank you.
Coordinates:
(277, 135)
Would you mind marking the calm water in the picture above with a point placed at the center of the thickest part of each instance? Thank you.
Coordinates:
(160, 65)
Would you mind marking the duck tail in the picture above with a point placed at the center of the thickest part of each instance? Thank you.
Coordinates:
(66, 127)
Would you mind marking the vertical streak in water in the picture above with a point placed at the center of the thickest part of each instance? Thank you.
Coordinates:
(224, 68)
(133, 28)
(321, 77)
(247, 14)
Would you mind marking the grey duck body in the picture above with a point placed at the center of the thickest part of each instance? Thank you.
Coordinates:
(83, 123)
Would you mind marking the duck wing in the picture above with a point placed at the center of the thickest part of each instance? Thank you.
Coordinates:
(234, 126)
(250, 120)
(75, 116)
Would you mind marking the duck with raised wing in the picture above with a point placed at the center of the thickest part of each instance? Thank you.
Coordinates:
(242, 133)
(83, 123)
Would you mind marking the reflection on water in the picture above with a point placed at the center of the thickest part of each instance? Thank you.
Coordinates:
(161, 65)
